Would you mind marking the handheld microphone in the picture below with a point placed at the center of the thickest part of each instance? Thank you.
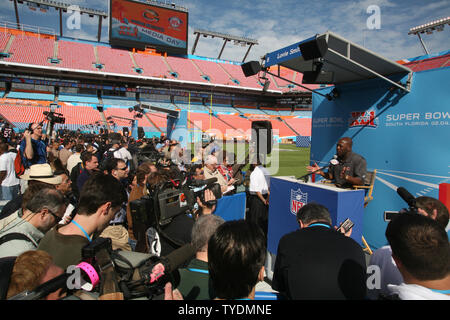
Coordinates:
(406, 196)
(334, 161)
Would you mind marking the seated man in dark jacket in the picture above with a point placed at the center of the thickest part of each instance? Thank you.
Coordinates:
(317, 262)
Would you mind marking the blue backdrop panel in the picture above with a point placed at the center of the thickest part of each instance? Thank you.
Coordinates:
(231, 207)
(288, 195)
(402, 135)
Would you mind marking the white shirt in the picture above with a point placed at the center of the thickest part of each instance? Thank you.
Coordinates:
(73, 161)
(259, 180)
(7, 164)
(416, 292)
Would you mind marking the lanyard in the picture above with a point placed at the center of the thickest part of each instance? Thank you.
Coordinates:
(441, 291)
(319, 224)
(198, 270)
(81, 228)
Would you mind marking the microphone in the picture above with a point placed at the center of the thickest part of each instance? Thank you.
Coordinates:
(334, 161)
(199, 183)
(406, 196)
(172, 262)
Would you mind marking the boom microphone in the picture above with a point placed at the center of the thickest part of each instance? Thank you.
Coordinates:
(406, 196)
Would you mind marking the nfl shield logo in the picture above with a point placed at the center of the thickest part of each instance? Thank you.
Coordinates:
(298, 200)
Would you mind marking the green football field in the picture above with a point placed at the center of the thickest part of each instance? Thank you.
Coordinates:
(292, 161)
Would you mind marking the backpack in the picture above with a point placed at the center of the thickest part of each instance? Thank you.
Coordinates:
(14, 236)
(18, 164)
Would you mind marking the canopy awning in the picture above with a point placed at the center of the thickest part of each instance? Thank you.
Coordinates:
(330, 59)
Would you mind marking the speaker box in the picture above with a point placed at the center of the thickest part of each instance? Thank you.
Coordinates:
(100, 108)
(125, 131)
(251, 68)
(262, 136)
(141, 133)
(313, 49)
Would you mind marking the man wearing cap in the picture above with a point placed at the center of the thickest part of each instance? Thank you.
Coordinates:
(33, 149)
(38, 175)
(211, 171)
(24, 233)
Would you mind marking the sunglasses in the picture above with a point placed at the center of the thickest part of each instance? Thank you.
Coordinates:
(124, 168)
(57, 218)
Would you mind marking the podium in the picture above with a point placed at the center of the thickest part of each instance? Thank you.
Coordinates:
(288, 195)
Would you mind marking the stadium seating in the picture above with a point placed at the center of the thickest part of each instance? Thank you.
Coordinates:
(79, 115)
(214, 72)
(4, 37)
(432, 63)
(31, 50)
(185, 69)
(302, 126)
(235, 72)
(152, 65)
(76, 55)
(115, 60)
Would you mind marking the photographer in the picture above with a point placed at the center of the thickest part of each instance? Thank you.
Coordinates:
(33, 149)
(421, 250)
(426, 206)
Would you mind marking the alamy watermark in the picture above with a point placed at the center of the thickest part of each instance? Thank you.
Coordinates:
(373, 22)
(74, 20)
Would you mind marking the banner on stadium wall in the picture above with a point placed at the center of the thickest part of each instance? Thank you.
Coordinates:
(404, 136)
(141, 24)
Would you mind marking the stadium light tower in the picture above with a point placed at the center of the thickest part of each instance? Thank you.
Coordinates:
(226, 37)
(428, 28)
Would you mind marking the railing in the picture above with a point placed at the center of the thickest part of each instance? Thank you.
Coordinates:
(6, 25)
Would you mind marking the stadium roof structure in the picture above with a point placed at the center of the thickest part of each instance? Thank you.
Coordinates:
(226, 37)
(61, 7)
(330, 59)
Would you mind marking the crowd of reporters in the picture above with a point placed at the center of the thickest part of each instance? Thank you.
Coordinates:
(79, 187)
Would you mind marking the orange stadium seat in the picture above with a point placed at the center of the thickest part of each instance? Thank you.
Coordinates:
(152, 66)
(186, 69)
(214, 72)
(74, 55)
(31, 50)
(115, 60)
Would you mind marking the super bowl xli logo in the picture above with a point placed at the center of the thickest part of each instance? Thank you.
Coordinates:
(363, 119)
(298, 200)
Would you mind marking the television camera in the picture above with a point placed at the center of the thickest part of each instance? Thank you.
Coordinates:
(115, 275)
(169, 199)
(54, 117)
(408, 198)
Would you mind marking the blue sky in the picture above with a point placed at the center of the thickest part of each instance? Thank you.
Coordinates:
(279, 23)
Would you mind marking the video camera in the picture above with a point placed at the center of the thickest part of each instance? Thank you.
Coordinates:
(408, 198)
(170, 199)
(54, 117)
(110, 273)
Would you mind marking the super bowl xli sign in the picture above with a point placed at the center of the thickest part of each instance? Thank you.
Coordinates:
(363, 119)
(298, 200)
